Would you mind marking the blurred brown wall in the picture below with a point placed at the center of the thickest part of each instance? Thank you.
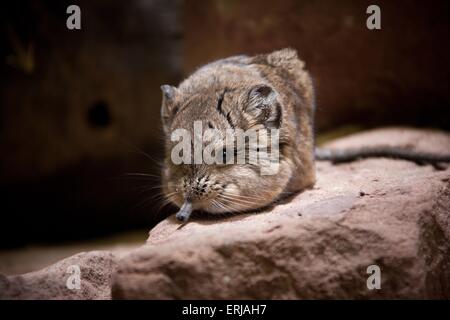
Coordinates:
(77, 108)
(399, 74)
(88, 90)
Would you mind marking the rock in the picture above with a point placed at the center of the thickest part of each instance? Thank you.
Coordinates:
(319, 244)
(96, 268)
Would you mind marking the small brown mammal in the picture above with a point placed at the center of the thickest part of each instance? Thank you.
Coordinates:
(267, 91)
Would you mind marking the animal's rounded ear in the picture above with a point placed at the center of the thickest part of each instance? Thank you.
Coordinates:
(168, 92)
(264, 106)
(168, 107)
(285, 58)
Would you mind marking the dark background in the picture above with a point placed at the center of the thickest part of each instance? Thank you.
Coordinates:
(79, 108)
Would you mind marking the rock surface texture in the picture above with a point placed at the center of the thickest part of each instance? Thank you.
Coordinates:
(96, 268)
(319, 244)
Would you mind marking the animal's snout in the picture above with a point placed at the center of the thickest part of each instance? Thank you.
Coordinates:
(185, 212)
(196, 189)
(180, 217)
(196, 192)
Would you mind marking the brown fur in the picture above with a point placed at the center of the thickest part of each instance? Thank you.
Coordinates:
(234, 80)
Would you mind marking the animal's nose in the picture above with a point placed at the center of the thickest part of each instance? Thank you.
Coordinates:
(185, 211)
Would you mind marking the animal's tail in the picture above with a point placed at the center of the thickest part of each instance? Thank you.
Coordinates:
(348, 155)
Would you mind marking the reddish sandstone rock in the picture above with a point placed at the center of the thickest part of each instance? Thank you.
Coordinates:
(391, 213)
(50, 283)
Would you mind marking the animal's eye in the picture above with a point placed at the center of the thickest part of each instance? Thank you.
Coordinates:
(229, 157)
